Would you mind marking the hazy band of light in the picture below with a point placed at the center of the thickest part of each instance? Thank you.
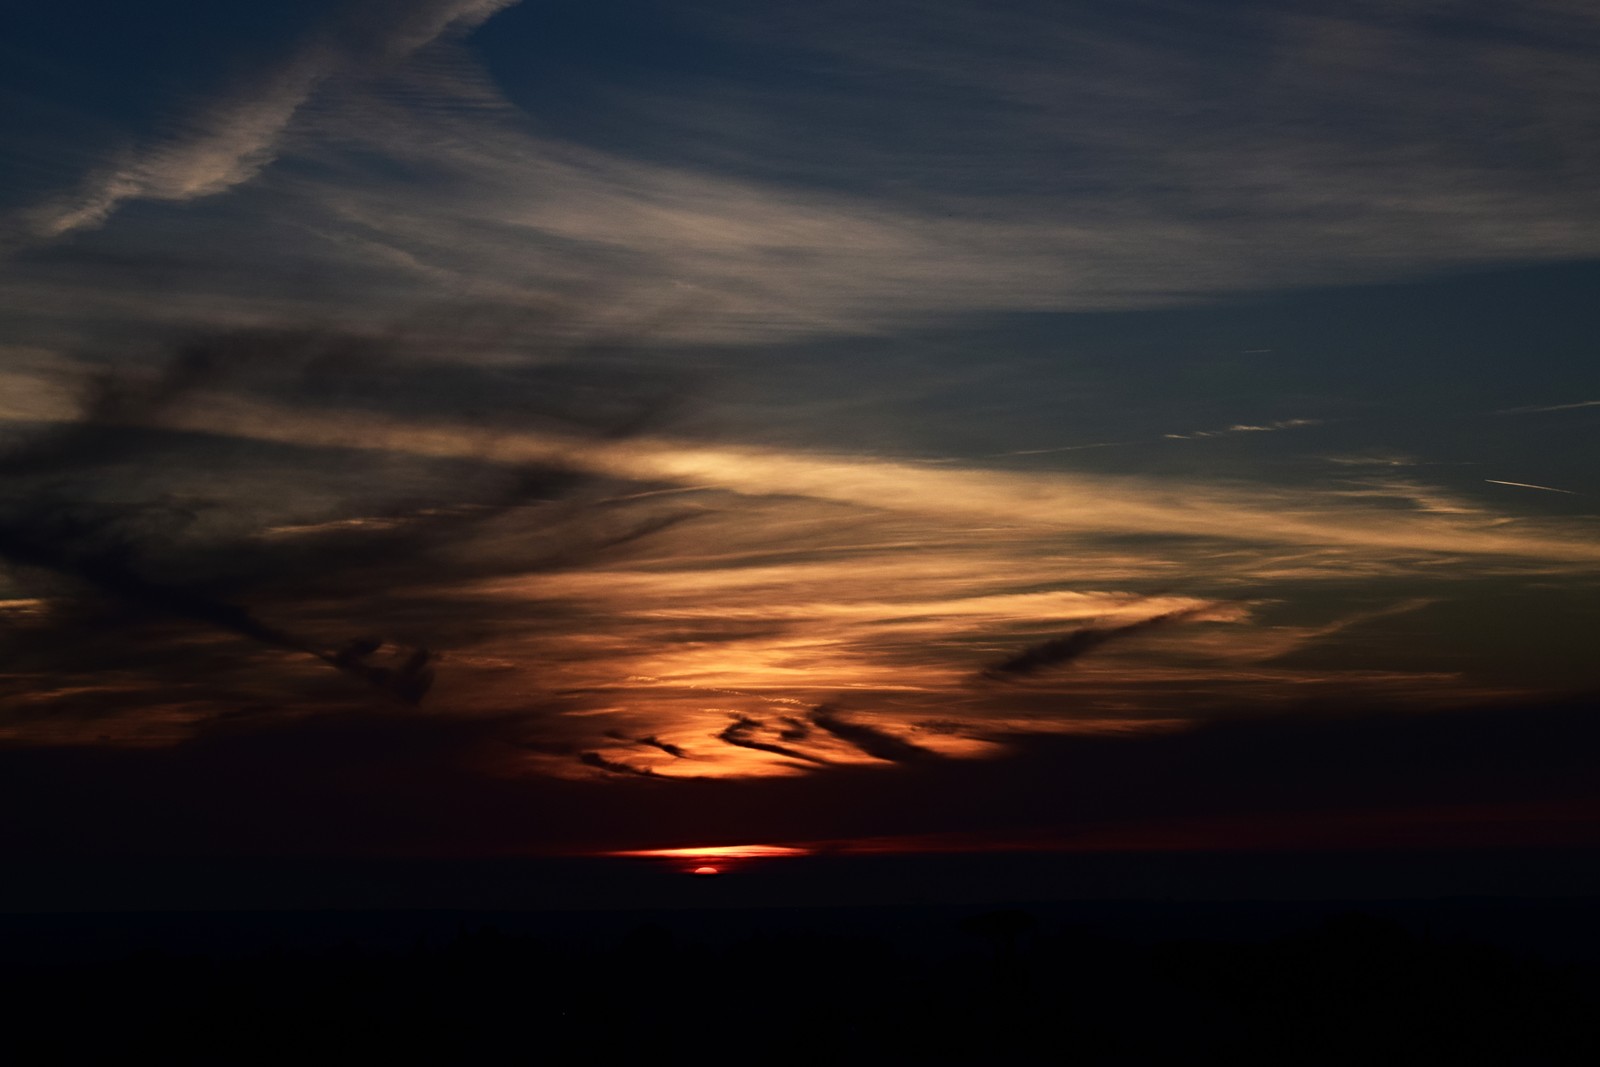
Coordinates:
(1061, 501)
(713, 852)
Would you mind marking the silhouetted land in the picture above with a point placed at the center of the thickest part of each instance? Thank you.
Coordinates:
(1424, 979)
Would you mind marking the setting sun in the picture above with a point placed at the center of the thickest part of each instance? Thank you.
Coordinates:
(713, 859)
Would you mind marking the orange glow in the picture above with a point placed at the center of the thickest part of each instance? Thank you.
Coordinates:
(726, 857)
(715, 852)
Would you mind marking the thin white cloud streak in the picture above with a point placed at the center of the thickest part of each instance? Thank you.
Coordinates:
(1530, 485)
(1552, 407)
(1236, 428)
(1240, 427)
(224, 146)
(227, 143)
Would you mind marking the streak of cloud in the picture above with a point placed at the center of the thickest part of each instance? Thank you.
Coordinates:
(229, 142)
(877, 743)
(1551, 407)
(652, 741)
(675, 751)
(738, 733)
(611, 766)
(1241, 427)
(1530, 485)
(1059, 500)
(1061, 651)
(90, 552)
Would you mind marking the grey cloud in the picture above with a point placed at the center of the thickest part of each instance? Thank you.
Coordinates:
(738, 733)
(599, 762)
(180, 525)
(1060, 651)
(794, 729)
(652, 741)
(1097, 184)
(668, 747)
(878, 744)
(109, 549)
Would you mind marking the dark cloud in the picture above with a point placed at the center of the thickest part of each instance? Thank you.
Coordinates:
(103, 553)
(1060, 651)
(738, 733)
(652, 741)
(121, 505)
(868, 739)
(668, 747)
(599, 762)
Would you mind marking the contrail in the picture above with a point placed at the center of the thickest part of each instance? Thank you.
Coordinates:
(1552, 407)
(1530, 485)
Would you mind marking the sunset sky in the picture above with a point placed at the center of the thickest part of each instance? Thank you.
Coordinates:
(472, 427)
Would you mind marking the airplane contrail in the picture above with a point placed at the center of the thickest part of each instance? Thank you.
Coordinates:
(1552, 407)
(1529, 485)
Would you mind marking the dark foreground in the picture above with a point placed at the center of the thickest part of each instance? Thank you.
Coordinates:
(1439, 958)
(1402, 982)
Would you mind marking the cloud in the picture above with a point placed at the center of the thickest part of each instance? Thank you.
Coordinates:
(1529, 485)
(225, 146)
(1059, 500)
(599, 762)
(228, 142)
(1240, 427)
(109, 547)
(738, 733)
(1551, 407)
(879, 744)
(98, 551)
(652, 741)
(1060, 651)
(675, 751)
(478, 510)
(1061, 177)
(438, 786)
(472, 483)
(99, 502)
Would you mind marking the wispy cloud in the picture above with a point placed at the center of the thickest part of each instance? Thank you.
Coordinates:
(1242, 427)
(1550, 407)
(809, 577)
(1062, 501)
(420, 174)
(878, 743)
(1061, 651)
(1530, 485)
(227, 142)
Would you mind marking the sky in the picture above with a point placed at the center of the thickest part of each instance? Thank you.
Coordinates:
(487, 428)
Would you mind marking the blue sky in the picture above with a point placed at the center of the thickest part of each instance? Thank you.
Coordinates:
(645, 377)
